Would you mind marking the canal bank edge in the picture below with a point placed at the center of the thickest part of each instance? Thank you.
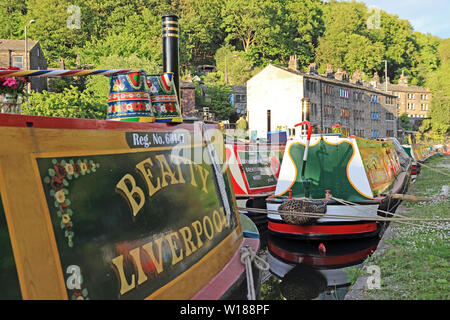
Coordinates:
(356, 291)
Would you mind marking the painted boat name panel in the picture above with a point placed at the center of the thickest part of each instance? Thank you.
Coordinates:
(127, 224)
(255, 167)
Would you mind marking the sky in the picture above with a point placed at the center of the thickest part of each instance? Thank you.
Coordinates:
(426, 16)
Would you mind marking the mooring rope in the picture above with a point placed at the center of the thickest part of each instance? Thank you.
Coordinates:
(247, 257)
(399, 215)
(436, 170)
(404, 220)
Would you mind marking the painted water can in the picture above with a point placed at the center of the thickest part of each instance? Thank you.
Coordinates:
(164, 97)
(129, 98)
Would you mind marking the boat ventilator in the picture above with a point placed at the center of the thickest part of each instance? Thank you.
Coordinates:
(247, 257)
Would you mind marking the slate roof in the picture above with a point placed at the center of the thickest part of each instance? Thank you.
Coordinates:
(16, 45)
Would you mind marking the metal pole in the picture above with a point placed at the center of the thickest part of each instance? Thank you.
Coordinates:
(385, 75)
(26, 50)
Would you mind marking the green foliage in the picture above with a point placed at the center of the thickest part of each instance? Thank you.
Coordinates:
(238, 68)
(71, 103)
(250, 33)
(215, 95)
(439, 83)
(405, 122)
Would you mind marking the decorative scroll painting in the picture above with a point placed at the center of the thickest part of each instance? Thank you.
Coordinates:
(381, 163)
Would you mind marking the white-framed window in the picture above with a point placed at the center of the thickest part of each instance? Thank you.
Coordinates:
(17, 61)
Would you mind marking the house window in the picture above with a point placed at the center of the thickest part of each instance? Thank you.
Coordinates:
(411, 96)
(17, 61)
(240, 98)
(374, 133)
(374, 116)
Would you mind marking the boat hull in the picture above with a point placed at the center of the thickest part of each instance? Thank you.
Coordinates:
(93, 211)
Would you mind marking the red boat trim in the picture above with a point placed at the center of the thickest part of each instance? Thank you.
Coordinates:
(324, 229)
(321, 261)
(15, 120)
(229, 275)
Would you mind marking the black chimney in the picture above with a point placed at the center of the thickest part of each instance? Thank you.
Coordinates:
(170, 33)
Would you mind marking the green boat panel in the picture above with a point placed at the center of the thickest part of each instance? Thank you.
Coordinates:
(326, 169)
(9, 281)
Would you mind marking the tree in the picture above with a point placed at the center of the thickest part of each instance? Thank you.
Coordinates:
(59, 27)
(405, 122)
(239, 70)
(139, 35)
(201, 32)
(439, 83)
(215, 95)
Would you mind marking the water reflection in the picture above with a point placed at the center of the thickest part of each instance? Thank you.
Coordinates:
(307, 270)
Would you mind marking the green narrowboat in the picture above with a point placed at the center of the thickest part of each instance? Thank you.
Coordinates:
(344, 181)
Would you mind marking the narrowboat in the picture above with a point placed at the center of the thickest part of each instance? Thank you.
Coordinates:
(344, 181)
(254, 169)
(102, 209)
(419, 153)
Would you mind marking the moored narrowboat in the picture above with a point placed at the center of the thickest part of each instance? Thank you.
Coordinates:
(135, 209)
(342, 182)
(254, 169)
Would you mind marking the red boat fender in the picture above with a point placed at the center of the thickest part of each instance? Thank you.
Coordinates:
(322, 249)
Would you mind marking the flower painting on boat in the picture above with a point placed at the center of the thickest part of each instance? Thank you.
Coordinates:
(58, 179)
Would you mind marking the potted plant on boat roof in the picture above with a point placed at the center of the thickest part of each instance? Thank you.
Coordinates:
(12, 91)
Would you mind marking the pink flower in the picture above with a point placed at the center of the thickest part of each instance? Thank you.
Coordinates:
(11, 82)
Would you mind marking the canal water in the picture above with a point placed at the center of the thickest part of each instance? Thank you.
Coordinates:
(311, 270)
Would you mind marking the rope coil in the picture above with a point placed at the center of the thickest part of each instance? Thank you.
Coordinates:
(248, 256)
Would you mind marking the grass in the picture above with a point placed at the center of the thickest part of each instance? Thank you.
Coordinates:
(416, 265)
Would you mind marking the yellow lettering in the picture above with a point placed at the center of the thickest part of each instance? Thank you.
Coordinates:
(166, 171)
(217, 221)
(131, 194)
(173, 246)
(149, 249)
(136, 254)
(208, 235)
(203, 174)
(193, 181)
(144, 169)
(124, 285)
(198, 231)
(177, 161)
(187, 238)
